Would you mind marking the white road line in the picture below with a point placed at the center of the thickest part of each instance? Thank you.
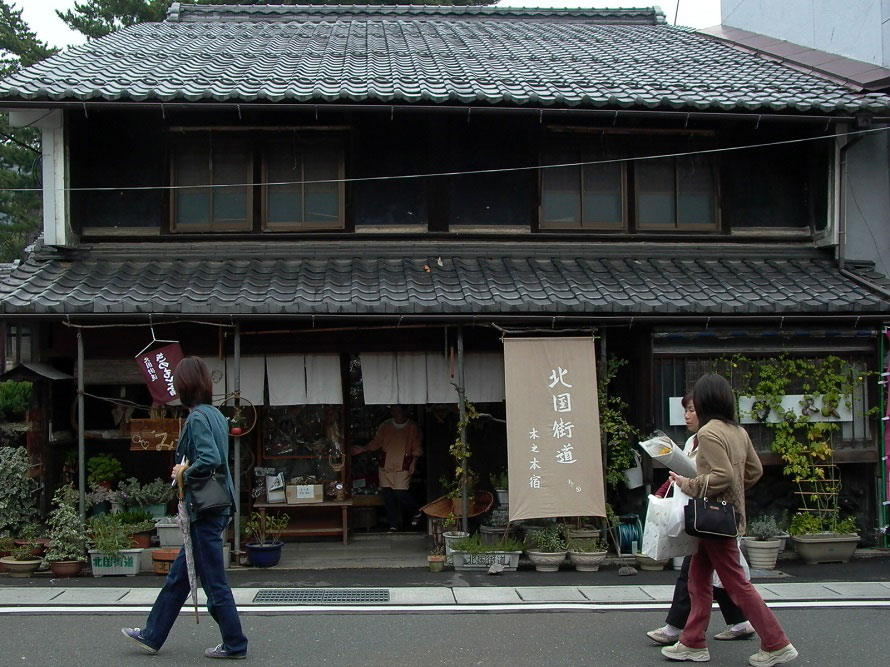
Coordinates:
(419, 609)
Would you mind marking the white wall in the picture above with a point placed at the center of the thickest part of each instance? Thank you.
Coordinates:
(868, 203)
(856, 29)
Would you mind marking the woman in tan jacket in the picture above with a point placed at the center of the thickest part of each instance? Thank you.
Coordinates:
(727, 465)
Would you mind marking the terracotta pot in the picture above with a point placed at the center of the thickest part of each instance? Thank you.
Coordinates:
(162, 559)
(38, 550)
(436, 562)
(141, 540)
(65, 568)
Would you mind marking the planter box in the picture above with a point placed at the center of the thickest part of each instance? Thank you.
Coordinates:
(826, 547)
(169, 535)
(482, 561)
(126, 562)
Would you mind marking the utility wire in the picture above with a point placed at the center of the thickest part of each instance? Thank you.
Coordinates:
(471, 172)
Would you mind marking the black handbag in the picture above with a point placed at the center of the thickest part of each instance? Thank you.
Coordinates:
(711, 519)
(209, 492)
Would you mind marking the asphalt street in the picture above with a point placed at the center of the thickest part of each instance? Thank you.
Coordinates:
(825, 637)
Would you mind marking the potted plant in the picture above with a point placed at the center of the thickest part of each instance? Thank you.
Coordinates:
(763, 549)
(501, 484)
(6, 546)
(587, 554)
(471, 553)
(109, 543)
(436, 559)
(139, 524)
(15, 397)
(68, 538)
(18, 504)
(823, 539)
(151, 497)
(103, 470)
(33, 533)
(580, 528)
(451, 535)
(265, 548)
(547, 549)
(22, 562)
(237, 422)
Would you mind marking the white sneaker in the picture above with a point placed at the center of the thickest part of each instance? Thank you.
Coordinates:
(681, 653)
(765, 658)
(746, 632)
(659, 636)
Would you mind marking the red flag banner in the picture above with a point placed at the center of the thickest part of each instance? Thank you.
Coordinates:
(157, 368)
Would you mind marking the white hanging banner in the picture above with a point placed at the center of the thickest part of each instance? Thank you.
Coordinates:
(324, 383)
(253, 377)
(484, 377)
(553, 430)
(379, 378)
(438, 379)
(286, 374)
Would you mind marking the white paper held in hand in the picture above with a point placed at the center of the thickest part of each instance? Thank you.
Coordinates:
(664, 450)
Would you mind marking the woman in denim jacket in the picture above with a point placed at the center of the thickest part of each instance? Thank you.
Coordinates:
(204, 443)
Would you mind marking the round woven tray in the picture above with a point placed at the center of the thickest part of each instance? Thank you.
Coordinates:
(441, 508)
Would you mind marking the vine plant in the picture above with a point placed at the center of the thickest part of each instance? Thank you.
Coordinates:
(804, 445)
(615, 430)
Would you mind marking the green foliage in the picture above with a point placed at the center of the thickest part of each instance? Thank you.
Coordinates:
(24, 551)
(615, 430)
(806, 523)
(549, 540)
(587, 545)
(103, 468)
(18, 504)
(500, 480)
(68, 536)
(763, 528)
(107, 535)
(15, 397)
(133, 494)
(268, 530)
(805, 446)
(136, 521)
(473, 545)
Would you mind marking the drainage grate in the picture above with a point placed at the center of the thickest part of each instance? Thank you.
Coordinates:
(322, 596)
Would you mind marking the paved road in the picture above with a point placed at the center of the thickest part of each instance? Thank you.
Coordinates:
(825, 636)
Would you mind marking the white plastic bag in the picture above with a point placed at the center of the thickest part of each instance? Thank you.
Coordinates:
(677, 520)
(657, 544)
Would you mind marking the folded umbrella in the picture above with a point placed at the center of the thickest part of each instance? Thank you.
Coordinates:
(182, 518)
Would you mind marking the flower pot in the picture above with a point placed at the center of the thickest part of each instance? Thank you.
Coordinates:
(587, 561)
(20, 568)
(825, 547)
(436, 562)
(583, 534)
(156, 510)
(491, 535)
(40, 545)
(485, 559)
(503, 496)
(141, 540)
(450, 537)
(65, 568)
(546, 561)
(650, 564)
(125, 562)
(762, 554)
(263, 555)
(162, 559)
(169, 534)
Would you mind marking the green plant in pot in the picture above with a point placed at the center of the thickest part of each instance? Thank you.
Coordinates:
(587, 554)
(104, 470)
(547, 549)
(15, 397)
(264, 549)
(22, 562)
(500, 482)
(615, 430)
(106, 535)
(140, 526)
(436, 559)
(763, 549)
(68, 538)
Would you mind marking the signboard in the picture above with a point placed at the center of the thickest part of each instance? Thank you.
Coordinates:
(155, 435)
(553, 430)
(157, 368)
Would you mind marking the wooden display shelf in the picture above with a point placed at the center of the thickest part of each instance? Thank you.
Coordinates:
(313, 525)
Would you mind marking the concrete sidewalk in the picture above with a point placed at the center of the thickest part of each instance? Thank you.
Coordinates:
(420, 596)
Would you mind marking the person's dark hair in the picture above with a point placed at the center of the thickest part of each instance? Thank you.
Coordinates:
(191, 379)
(686, 400)
(713, 399)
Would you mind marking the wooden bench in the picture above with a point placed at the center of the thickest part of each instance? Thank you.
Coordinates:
(313, 527)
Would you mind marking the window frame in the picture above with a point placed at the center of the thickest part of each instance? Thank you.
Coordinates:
(677, 225)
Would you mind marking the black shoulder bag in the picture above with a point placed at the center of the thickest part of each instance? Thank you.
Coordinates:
(710, 518)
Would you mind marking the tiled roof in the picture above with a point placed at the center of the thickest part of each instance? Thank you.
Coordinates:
(577, 58)
(430, 279)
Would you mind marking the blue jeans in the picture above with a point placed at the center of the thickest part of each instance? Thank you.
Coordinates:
(207, 549)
